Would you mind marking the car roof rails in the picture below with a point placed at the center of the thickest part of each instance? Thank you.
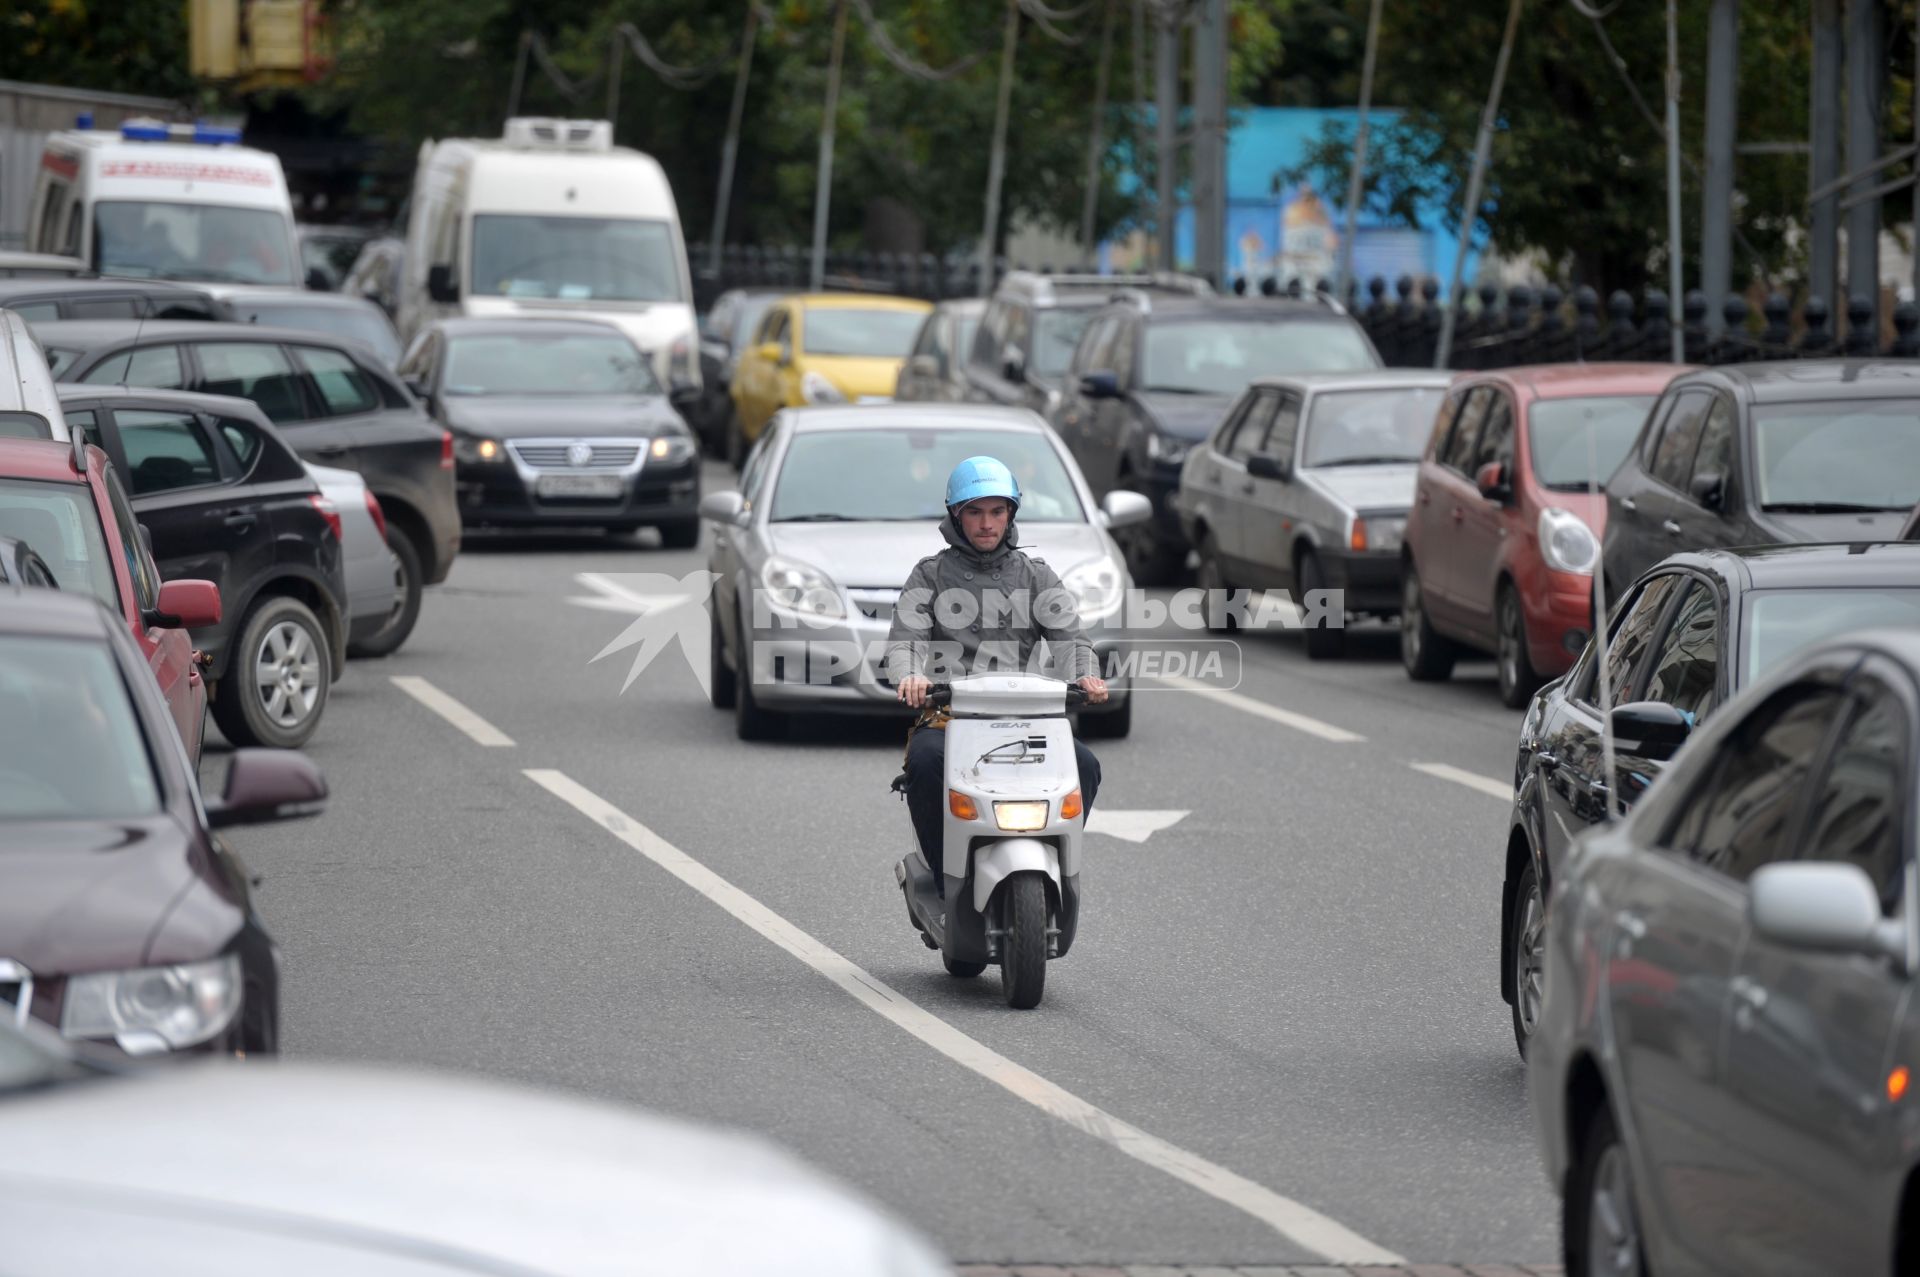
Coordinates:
(1042, 286)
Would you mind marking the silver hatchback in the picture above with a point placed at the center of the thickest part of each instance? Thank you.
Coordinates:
(1720, 1077)
(1305, 485)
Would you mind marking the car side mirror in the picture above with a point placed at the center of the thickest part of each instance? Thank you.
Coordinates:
(318, 281)
(927, 366)
(683, 395)
(265, 785)
(1709, 490)
(1013, 364)
(1123, 508)
(1825, 906)
(1262, 466)
(186, 605)
(440, 285)
(418, 385)
(1654, 729)
(727, 508)
(1493, 482)
(771, 351)
(1100, 385)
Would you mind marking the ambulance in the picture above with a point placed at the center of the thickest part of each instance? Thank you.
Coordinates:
(552, 219)
(150, 200)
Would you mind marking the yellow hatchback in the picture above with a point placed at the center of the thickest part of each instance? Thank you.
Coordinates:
(820, 348)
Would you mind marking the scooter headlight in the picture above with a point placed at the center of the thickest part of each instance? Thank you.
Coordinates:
(1020, 818)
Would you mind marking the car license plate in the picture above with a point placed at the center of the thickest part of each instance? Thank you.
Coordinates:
(604, 487)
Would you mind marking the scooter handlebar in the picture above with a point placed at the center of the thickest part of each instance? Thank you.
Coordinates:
(942, 694)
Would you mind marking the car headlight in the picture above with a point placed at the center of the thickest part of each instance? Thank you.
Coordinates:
(151, 1009)
(670, 450)
(1166, 449)
(680, 365)
(1099, 587)
(475, 450)
(815, 388)
(1379, 534)
(1566, 542)
(796, 587)
(1020, 818)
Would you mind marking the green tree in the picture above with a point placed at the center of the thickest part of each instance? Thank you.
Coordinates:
(120, 46)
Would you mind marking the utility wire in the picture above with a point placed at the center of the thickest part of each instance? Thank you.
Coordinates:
(904, 61)
(678, 77)
(1043, 18)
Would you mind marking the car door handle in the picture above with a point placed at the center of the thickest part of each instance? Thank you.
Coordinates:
(1626, 503)
(1425, 497)
(1546, 760)
(240, 520)
(1673, 529)
(1459, 515)
(1247, 487)
(1629, 929)
(330, 450)
(1749, 992)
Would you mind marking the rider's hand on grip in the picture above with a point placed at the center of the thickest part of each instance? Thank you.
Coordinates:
(913, 690)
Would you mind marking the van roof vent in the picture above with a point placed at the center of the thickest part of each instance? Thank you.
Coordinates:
(539, 133)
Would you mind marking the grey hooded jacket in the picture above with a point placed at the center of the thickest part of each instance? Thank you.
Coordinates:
(963, 612)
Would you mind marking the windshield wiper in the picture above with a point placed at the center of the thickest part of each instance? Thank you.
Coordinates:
(1174, 390)
(1369, 461)
(1831, 507)
(850, 518)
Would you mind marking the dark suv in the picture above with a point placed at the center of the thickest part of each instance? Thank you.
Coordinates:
(329, 397)
(226, 500)
(1153, 375)
(1026, 338)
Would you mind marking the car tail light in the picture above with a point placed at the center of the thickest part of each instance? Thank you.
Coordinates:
(328, 511)
(446, 449)
(378, 515)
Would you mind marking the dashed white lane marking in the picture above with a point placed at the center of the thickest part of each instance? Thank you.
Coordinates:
(1472, 780)
(1259, 708)
(1134, 826)
(476, 727)
(1299, 1224)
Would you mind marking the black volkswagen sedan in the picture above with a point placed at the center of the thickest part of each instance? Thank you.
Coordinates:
(1796, 452)
(124, 917)
(1688, 635)
(558, 422)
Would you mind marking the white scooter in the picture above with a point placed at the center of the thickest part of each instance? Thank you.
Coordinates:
(1011, 833)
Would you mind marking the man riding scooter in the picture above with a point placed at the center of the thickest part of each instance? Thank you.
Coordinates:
(979, 606)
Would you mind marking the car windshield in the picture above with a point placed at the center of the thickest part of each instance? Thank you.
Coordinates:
(212, 242)
(364, 324)
(886, 475)
(61, 523)
(1370, 427)
(1056, 333)
(1781, 622)
(1219, 356)
(1839, 456)
(61, 358)
(964, 327)
(525, 363)
(847, 330)
(73, 748)
(746, 317)
(626, 259)
(1558, 430)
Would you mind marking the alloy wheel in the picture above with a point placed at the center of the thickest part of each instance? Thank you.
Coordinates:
(1613, 1231)
(287, 674)
(1529, 959)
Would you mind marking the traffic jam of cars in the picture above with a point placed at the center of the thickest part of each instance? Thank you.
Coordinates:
(222, 493)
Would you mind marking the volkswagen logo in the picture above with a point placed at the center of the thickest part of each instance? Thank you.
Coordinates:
(579, 455)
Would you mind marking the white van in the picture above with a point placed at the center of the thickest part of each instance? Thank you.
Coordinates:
(551, 219)
(29, 405)
(159, 201)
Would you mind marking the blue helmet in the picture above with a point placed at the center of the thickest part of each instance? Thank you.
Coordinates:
(978, 477)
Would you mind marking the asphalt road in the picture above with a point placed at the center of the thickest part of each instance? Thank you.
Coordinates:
(1296, 982)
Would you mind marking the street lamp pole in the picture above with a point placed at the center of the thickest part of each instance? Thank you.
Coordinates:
(823, 189)
(1470, 213)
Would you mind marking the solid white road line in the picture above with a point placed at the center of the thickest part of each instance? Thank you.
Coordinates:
(1299, 1224)
(1286, 717)
(453, 711)
(1472, 780)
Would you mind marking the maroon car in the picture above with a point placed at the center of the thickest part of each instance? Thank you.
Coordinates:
(124, 918)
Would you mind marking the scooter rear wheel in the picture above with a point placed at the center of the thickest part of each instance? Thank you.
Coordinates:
(962, 970)
(1023, 950)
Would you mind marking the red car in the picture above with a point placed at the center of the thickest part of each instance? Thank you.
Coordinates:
(66, 503)
(1504, 536)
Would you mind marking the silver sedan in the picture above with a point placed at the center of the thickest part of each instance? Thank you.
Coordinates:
(1720, 1076)
(835, 507)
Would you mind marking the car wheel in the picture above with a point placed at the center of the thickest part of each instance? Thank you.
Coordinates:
(1151, 560)
(1115, 724)
(1428, 656)
(1528, 957)
(1324, 642)
(750, 721)
(1518, 681)
(259, 1023)
(1213, 577)
(276, 686)
(681, 534)
(721, 680)
(406, 608)
(1601, 1224)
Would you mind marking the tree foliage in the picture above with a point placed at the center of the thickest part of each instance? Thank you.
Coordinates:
(120, 46)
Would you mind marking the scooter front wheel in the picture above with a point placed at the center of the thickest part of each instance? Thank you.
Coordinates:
(1023, 949)
(962, 970)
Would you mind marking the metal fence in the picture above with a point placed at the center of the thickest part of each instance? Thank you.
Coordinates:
(1492, 330)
